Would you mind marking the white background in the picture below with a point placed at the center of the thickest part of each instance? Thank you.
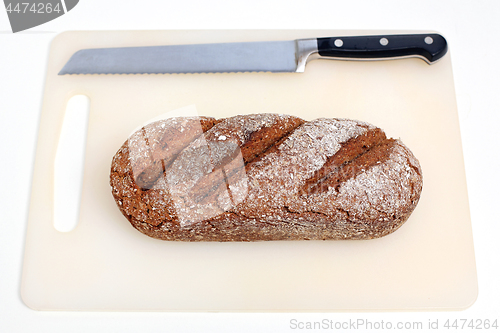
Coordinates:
(472, 31)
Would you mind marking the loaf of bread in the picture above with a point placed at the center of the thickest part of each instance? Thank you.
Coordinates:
(264, 177)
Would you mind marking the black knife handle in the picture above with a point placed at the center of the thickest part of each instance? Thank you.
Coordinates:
(431, 47)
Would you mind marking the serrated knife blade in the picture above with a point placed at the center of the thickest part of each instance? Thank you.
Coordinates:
(267, 56)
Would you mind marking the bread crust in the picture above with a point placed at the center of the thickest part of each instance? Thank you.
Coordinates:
(265, 177)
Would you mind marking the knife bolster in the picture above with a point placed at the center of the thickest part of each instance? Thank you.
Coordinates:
(306, 50)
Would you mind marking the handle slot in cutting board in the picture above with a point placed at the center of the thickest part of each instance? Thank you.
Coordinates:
(69, 163)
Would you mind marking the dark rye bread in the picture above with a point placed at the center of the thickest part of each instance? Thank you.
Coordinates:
(264, 177)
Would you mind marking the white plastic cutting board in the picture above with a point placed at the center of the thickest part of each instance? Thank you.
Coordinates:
(105, 264)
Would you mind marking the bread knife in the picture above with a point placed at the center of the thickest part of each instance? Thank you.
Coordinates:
(267, 56)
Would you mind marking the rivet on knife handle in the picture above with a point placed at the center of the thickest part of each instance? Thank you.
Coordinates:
(429, 47)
